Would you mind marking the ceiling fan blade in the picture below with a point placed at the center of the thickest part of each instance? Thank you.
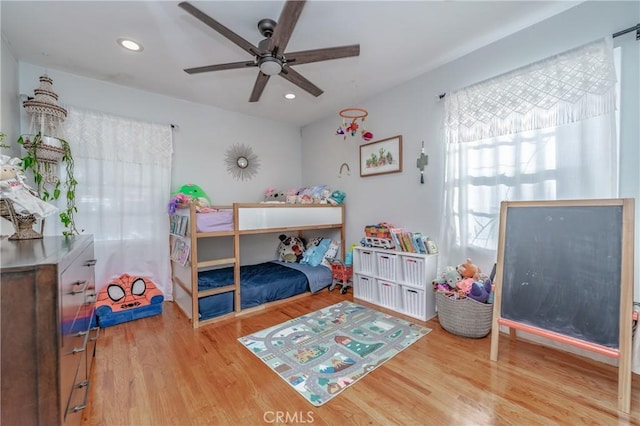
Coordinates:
(325, 54)
(220, 67)
(258, 87)
(286, 23)
(297, 79)
(209, 21)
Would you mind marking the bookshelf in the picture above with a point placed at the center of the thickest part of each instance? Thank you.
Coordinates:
(396, 280)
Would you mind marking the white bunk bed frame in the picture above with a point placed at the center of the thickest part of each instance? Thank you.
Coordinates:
(249, 218)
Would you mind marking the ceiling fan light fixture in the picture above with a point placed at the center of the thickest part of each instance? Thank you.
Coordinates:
(289, 96)
(270, 65)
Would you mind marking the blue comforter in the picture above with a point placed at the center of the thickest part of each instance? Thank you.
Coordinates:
(269, 281)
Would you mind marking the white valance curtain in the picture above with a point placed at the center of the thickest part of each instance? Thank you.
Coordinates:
(566, 88)
(542, 132)
(123, 169)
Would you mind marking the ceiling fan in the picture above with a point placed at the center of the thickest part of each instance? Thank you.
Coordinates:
(269, 55)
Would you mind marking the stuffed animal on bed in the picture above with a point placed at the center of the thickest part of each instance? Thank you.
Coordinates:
(290, 249)
(272, 195)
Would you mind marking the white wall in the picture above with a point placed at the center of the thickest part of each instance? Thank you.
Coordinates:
(415, 111)
(9, 113)
(201, 139)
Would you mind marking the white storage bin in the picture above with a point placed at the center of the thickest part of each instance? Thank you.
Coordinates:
(387, 265)
(365, 288)
(389, 294)
(413, 271)
(367, 261)
(414, 303)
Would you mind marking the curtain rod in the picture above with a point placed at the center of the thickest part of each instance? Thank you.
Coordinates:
(614, 35)
(628, 30)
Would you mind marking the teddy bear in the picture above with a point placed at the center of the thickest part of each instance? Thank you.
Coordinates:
(12, 187)
(468, 269)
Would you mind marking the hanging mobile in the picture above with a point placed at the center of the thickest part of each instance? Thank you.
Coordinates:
(422, 161)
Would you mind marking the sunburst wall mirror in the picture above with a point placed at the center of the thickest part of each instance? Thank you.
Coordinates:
(242, 162)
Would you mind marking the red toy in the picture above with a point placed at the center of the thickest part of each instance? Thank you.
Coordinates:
(342, 274)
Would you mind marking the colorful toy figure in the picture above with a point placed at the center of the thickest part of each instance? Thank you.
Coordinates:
(127, 298)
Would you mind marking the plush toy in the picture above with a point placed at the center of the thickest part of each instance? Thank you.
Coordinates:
(290, 249)
(178, 201)
(337, 197)
(194, 191)
(12, 187)
(480, 291)
(448, 280)
(468, 269)
(273, 196)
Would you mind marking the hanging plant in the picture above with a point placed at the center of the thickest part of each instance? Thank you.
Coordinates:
(42, 159)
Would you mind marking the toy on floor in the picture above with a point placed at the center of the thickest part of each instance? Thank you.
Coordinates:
(127, 298)
(342, 274)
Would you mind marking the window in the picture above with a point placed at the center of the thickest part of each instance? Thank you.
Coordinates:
(503, 154)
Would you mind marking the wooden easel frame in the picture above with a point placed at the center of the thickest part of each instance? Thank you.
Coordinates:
(623, 353)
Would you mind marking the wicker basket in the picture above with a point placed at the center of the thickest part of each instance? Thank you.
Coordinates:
(23, 224)
(464, 317)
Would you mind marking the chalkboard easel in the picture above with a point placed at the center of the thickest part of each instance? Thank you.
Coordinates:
(565, 273)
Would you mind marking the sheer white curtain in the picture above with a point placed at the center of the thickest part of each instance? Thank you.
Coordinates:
(123, 169)
(542, 132)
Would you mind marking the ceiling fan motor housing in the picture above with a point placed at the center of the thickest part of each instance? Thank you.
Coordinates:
(267, 27)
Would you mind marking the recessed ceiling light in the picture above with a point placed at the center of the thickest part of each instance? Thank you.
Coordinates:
(130, 45)
(290, 96)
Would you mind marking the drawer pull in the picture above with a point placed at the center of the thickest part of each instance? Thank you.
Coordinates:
(84, 344)
(91, 262)
(84, 384)
(97, 330)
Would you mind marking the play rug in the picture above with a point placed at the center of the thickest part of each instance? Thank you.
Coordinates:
(322, 353)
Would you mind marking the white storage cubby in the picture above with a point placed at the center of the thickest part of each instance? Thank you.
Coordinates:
(396, 280)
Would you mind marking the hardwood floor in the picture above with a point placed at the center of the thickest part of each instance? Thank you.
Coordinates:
(159, 371)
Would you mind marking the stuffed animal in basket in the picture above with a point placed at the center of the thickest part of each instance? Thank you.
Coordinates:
(12, 187)
(448, 280)
(468, 269)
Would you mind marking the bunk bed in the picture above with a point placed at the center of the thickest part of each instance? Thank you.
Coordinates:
(210, 290)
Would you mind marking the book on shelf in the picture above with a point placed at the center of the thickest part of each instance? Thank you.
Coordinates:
(395, 232)
(408, 236)
(180, 251)
(179, 224)
(418, 243)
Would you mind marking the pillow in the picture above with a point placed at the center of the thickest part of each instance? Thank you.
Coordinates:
(290, 249)
(316, 253)
(331, 253)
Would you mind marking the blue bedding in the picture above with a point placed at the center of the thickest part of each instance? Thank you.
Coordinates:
(259, 284)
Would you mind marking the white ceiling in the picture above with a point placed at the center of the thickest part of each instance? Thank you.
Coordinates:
(399, 40)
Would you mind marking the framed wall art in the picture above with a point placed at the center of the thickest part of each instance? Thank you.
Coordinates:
(381, 157)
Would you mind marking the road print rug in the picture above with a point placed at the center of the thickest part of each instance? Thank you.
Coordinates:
(322, 353)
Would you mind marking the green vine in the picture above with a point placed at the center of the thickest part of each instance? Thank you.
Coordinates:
(52, 191)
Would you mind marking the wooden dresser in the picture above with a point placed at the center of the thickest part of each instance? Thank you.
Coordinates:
(47, 299)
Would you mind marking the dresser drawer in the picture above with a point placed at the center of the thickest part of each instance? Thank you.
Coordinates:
(79, 395)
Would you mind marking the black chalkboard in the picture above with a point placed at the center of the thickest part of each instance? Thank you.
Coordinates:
(561, 270)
